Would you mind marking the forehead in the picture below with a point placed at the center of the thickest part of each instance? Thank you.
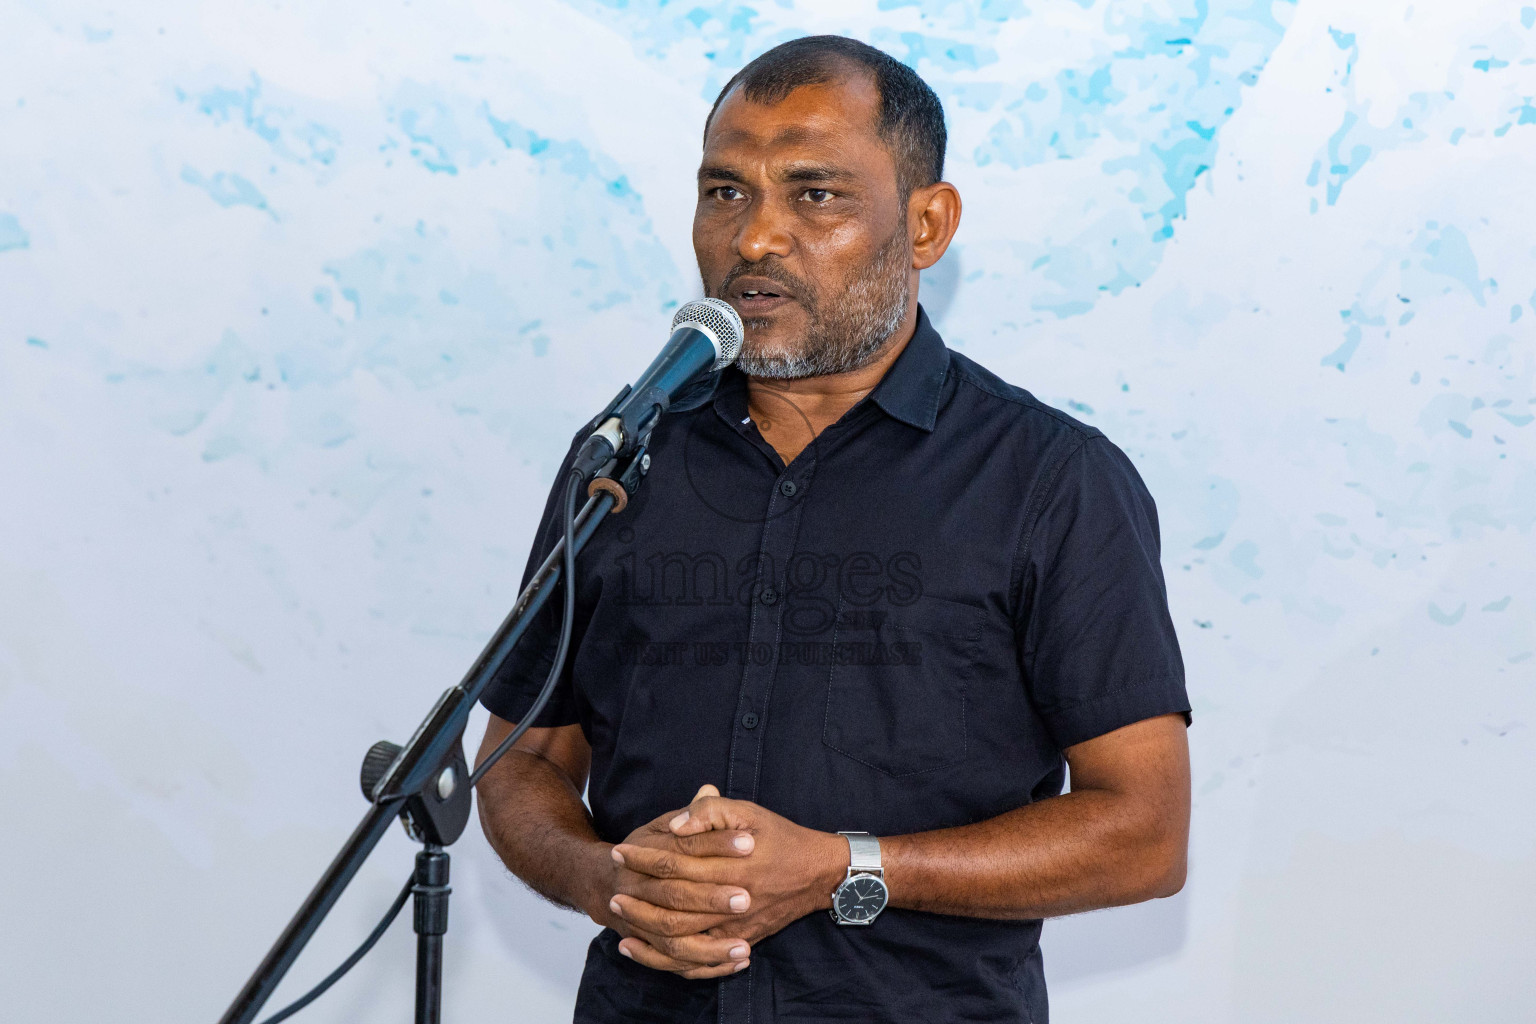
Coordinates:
(839, 118)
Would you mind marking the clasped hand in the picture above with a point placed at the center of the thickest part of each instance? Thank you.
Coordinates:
(693, 890)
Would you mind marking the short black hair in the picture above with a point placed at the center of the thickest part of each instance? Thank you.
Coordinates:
(911, 117)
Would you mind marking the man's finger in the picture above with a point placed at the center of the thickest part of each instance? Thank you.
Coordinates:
(658, 920)
(660, 825)
(683, 895)
(642, 952)
(716, 972)
(647, 860)
(698, 949)
(724, 843)
(711, 812)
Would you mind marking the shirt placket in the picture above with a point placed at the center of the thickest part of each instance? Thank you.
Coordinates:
(760, 656)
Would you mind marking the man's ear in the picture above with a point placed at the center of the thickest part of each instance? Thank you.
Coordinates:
(933, 215)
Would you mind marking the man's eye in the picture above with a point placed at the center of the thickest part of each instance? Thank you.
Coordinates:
(816, 195)
(727, 193)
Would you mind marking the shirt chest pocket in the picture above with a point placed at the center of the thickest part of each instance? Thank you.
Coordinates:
(896, 688)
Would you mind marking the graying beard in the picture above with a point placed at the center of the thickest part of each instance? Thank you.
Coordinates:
(869, 313)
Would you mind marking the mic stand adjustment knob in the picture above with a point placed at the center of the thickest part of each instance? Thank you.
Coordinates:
(375, 763)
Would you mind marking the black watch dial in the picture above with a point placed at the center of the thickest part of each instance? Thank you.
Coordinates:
(860, 898)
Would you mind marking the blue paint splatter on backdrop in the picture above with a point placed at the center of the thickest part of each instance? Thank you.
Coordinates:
(228, 189)
(275, 120)
(12, 236)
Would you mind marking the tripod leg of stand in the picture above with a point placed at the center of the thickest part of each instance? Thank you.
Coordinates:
(431, 917)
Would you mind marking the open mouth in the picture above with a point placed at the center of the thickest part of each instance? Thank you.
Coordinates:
(758, 295)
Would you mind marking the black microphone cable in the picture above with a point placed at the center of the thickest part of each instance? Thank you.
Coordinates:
(351, 961)
(567, 625)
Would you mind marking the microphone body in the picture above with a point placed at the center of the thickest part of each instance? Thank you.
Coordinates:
(706, 336)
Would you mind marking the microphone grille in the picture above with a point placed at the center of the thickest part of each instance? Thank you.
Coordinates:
(717, 319)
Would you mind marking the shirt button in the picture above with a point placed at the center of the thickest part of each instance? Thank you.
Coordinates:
(770, 595)
(749, 720)
(788, 488)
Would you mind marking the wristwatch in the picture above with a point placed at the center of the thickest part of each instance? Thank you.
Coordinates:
(862, 895)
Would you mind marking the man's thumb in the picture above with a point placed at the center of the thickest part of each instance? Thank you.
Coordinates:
(682, 816)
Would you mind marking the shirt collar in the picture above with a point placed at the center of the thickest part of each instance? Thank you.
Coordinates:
(910, 390)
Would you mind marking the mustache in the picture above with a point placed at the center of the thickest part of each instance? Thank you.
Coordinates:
(773, 271)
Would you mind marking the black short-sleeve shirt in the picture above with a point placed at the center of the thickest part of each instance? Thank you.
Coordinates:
(900, 631)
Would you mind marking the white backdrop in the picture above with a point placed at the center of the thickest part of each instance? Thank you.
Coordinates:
(300, 302)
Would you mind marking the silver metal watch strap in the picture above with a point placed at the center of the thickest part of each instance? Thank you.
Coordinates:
(863, 853)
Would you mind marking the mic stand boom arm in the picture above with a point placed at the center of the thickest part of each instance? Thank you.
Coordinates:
(424, 782)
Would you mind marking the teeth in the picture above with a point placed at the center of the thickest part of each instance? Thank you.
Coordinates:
(751, 293)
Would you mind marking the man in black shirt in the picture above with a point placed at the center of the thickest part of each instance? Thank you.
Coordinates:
(831, 663)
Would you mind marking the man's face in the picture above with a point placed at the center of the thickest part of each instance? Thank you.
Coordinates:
(801, 228)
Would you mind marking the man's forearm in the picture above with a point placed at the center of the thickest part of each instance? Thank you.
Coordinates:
(534, 819)
(1080, 851)
(1120, 836)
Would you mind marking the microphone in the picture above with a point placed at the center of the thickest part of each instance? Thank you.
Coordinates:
(706, 336)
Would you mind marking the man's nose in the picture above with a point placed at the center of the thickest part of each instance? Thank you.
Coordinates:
(763, 233)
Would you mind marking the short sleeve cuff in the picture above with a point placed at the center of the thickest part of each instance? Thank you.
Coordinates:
(1078, 723)
(510, 700)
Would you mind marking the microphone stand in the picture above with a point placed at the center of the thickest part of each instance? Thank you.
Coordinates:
(425, 782)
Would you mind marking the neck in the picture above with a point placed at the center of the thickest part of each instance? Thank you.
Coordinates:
(791, 413)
